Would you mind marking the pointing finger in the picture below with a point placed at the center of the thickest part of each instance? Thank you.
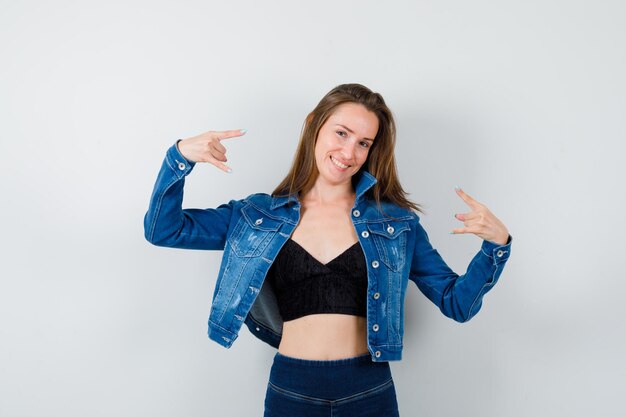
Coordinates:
(465, 197)
(227, 134)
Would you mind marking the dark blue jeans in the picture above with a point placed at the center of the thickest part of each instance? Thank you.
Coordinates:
(334, 388)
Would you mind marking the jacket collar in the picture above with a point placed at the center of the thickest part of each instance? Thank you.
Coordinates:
(363, 181)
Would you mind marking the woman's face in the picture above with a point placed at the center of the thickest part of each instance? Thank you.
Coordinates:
(344, 141)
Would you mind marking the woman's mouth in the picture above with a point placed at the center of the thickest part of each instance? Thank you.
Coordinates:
(339, 164)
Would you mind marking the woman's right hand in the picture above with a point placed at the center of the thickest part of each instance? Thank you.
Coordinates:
(207, 147)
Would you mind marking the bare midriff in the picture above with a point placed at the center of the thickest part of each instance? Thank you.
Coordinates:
(324, 337)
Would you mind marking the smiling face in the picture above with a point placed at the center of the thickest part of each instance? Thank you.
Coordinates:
(343, 142)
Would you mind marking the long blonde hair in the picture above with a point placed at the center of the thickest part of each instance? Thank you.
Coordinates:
(380, 162)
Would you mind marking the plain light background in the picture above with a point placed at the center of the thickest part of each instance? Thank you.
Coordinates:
(523, 104)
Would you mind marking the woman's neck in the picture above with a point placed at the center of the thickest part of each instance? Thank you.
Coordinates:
(330, 194)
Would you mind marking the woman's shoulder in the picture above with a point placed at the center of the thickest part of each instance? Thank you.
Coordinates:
(267, 202)
(258, 197)
(389, 210)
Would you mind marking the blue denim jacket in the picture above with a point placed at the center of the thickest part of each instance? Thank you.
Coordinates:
(252, 231)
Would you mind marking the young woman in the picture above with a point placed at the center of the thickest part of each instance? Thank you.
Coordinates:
(320, 267)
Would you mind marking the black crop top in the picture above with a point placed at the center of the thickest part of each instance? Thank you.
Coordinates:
(303, 285)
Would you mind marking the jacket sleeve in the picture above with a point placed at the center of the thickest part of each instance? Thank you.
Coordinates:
(167, 224)
(458, 297)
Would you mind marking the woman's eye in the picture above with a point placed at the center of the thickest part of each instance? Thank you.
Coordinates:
(341, 133)
(365, 144)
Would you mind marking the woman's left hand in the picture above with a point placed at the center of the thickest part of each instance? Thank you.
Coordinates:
(480, 221)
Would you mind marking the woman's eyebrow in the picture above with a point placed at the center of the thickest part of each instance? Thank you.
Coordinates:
(352, 131)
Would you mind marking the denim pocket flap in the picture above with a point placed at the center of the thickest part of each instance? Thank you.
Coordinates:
(390, 238)
(259, 220)
(253, 232)
(388, 229)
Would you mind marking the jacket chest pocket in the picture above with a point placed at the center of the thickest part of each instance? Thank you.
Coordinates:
(253, 232)
(390, 240)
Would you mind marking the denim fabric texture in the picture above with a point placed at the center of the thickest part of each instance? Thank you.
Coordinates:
(331, 388)
(251, 232)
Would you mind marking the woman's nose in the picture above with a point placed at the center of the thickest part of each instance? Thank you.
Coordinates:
(348, 149)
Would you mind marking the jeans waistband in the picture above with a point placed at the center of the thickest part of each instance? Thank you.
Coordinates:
(361, 359)
(329, 379)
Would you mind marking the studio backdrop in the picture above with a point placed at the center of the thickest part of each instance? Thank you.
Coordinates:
(523, 104)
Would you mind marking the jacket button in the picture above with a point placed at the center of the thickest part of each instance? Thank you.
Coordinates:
(377, 353)
(375, 327)
(365, 233)
(375, 264)
(258, 221)
(181, 166)
(356, 213)
(258, 330)
(376, 295)
(390, 230)
(500, 253)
